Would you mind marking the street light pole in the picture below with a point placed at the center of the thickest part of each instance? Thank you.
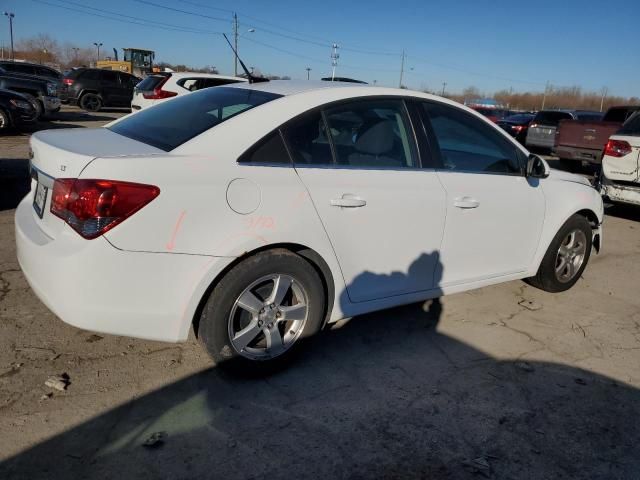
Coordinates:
(444, 85)
(75, 52)
(308, 69)
(11, 16)
(98, 45)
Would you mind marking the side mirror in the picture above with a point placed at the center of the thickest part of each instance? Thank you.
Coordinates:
(537, 167)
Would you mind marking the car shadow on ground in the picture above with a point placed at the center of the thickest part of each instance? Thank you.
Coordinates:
(14, 181)
(624, 211)
(82, 116)
(385, 396)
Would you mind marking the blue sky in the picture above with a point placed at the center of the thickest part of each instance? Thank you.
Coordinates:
(488, 44)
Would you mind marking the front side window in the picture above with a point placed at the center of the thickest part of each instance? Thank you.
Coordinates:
(372, 133)
(468, 144)
(170, 124)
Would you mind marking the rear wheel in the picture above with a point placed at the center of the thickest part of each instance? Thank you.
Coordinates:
(566, 257)
(5, 121)
(261, 310)
(90, 102)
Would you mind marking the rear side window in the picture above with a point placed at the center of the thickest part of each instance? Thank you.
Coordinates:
(551, 118)
(90, 75)
(270, 150)
(18, 68)
(214, 82)
(170, 124)
(308, 140)
(109, 76)
(150, 83)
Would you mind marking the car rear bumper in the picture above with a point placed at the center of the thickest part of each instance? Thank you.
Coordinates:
(621, 193)
(578, 154)
(92, 285)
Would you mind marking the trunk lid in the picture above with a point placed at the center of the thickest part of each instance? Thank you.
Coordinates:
(65, 154)
(626, 168)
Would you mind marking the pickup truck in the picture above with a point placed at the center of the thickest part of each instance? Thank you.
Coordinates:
(619, 179)
(580, 141)
(42, 93)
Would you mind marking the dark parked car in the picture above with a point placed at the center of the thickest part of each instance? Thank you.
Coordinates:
(40, 91)
(15, 110)
(517, 125)
(31, 69)
(94, 88)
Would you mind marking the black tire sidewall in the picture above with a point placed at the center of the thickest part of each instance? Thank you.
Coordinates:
(36, 104)
(7, 121)
(90, 95)
(213, 328)
(547, 274)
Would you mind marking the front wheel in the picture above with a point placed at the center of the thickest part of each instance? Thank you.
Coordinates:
(5, 121)
(262, 309)
(566, 257)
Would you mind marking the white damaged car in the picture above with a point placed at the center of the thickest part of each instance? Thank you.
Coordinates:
(258, 213)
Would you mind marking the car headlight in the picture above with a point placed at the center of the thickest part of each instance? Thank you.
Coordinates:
(52, 89)
(22, 104)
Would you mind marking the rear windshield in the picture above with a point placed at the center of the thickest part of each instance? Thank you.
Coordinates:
(631, 126)
(170, 124)
(519, 118)
(151, 82)
(551, 118)
(618, 114)
(589, 116)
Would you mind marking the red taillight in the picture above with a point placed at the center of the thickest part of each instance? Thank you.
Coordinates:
(92, 207)
(518, 128)
(617, 148)
(158, 93)
(68, 81)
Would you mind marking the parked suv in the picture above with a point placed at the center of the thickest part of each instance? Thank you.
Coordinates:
(159, 87)
(543, 127)
(94, 88)
(31, 69)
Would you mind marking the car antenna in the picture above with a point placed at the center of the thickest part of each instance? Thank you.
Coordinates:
(250, 77)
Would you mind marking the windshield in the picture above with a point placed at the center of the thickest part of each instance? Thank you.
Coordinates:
(631, 126)
(551, 118)
(170, 124)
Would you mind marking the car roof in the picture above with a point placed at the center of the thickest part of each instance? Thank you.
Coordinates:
(199, 74)
(290, 87)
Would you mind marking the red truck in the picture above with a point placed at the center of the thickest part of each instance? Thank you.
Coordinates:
(583, 141)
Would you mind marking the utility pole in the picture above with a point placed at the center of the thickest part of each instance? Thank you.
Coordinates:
(605, 90)
(98, 45)
(235, 37)
(75, 54)
(544, 97)
(401, 69)
(444, 85)
(334, 60)
(11, 16)
(308, 69)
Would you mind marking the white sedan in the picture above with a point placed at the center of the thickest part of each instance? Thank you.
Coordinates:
(159, 87)
(258, 213)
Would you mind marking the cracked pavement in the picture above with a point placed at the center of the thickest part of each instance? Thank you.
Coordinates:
(501, 382)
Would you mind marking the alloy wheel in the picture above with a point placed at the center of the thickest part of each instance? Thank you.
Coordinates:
(570, 256)
(268, 317)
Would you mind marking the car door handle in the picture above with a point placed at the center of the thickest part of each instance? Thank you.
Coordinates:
(348, 201)
(466, 202)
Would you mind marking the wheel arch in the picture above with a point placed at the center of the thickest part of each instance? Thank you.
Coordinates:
(309, 254)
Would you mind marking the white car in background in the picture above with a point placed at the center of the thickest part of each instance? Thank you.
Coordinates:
(158, 87)
(620, 173)
(257, 213)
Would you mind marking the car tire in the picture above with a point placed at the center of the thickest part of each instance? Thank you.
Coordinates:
(566, 257)
(91, 102)
(248, 322)
(36, 104)
(5, 121)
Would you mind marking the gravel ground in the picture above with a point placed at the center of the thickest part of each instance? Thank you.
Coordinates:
(502, 382)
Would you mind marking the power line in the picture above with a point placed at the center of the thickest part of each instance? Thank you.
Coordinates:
(139, 21)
